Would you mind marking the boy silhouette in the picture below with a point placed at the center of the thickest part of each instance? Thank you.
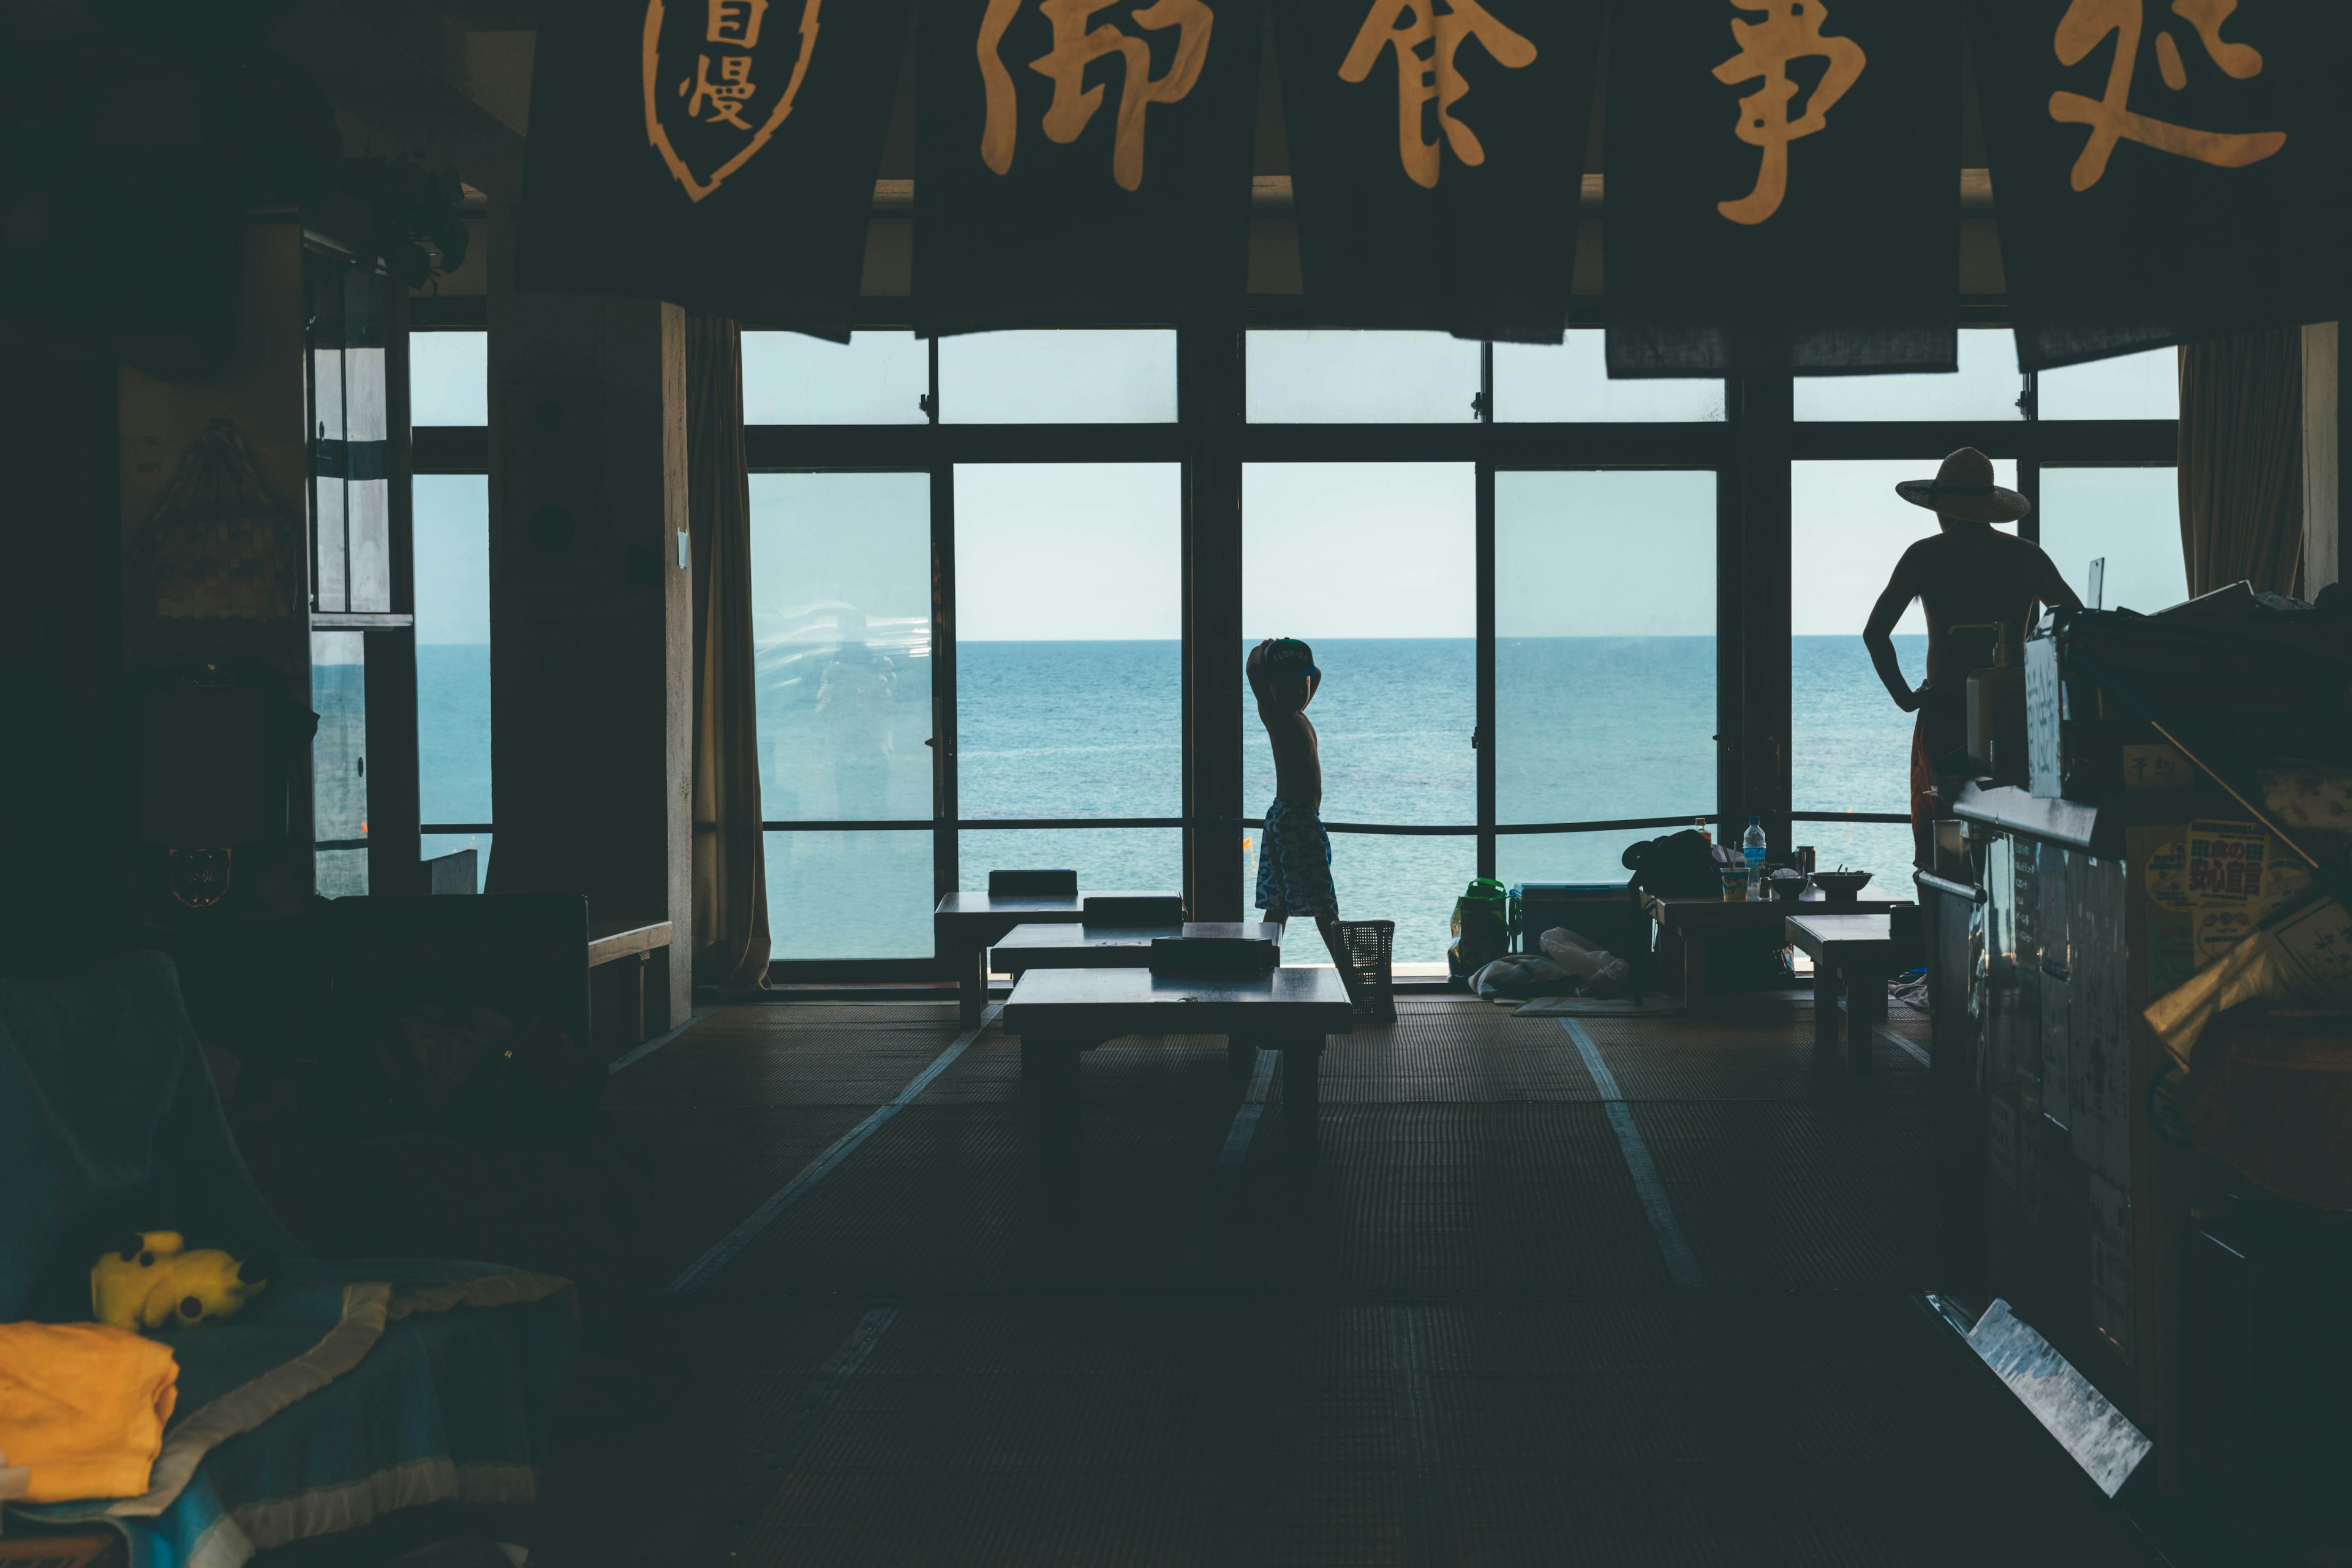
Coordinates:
(1294, 852)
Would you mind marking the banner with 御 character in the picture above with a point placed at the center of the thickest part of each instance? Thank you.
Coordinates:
(2167, 170)
(1782, 186)
(720, 155)
(1437, 157)
(1083, 160)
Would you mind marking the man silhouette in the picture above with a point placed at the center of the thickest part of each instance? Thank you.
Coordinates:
(1970, 574)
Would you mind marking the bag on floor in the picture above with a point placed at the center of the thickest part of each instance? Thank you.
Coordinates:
(1482, 930)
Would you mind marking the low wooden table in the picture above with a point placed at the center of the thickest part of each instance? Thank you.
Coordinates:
(965, 925)
(632, 943)
(1864, 950)
(1041, 946)
(1060, 1014)
(1692, 924)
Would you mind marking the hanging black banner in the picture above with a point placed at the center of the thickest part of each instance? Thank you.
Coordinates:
(1782, 190)
(2166, 172)
(1083, 160)
(719, 155)
(1437, 158)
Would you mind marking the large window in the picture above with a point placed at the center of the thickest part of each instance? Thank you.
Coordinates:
(1402, 496)
(1069, 670)
(1373, 563)
(448, 382)
(1604, 663)
(841, 626)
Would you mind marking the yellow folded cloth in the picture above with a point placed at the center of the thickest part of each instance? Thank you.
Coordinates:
(82, 1407)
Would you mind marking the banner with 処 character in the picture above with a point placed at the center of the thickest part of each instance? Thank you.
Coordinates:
(1083, 160)
(1437, 158)
(720, 155)
(1782, 186)
(2166, 171)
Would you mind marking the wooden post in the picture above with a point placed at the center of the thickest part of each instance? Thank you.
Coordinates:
(2324, 413)
(1209, 389)
(590, 620)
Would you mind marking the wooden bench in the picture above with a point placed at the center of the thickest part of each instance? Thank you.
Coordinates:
(1689, 927)
(1863, 951)
(1061, 1013)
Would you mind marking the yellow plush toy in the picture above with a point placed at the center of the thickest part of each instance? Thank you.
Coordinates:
(152, 1282)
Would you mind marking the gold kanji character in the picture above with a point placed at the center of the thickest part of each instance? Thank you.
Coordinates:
(1077, 43)
(736, 22)
(726, 96)
(1434, 74)
(2109, 116)
(1792, 30)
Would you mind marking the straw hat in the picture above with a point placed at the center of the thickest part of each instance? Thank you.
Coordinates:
(1963, 488)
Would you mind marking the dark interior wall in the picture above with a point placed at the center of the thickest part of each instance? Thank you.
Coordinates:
(59, 590)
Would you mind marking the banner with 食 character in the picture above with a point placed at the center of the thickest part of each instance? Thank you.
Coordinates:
(2165, 170)
(1437, 153)
(719, 155)
(1083, 161)
(1782, 186)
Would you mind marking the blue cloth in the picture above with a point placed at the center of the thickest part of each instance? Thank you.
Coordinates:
(344, 1389)
(1294, 863)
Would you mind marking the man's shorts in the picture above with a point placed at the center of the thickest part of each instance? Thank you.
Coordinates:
(1293, 865)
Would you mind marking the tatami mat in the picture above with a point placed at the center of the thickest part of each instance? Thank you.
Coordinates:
(1452, 1338)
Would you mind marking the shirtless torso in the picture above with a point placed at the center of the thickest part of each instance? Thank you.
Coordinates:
(1297, 758)
(1970, 574)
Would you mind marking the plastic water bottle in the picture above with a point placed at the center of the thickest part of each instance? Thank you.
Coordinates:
(1754, 845)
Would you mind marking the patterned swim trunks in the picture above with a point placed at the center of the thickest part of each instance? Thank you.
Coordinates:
(1294, 863)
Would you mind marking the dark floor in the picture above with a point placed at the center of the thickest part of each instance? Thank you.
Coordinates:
(1500, 1320)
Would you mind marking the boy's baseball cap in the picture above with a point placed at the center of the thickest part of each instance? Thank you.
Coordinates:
(1289, 656)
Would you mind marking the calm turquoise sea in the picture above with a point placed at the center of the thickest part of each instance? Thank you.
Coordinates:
(1587, 729)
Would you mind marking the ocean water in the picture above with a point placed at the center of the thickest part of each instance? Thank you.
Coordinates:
(1587, 729)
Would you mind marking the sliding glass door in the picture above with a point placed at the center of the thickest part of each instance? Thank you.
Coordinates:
(1604, 665)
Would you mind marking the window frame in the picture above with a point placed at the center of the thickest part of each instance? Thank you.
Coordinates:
(1751, 451)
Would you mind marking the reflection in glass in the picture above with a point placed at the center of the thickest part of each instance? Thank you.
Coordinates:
(1569, 383)
(1373, 563)
(2131, 517)
(1605, 661)
(1068, 377)
(449, 378)
(1371, 378)
(1850, 745)
(841, 633)
(876, 378)
(849, 894)
(2130, 386)
(339, 759)
(1069, 668)
(453, 653)
(1987, 386)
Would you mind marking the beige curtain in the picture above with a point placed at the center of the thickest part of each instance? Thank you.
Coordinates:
(2241, 460)
(731, 877)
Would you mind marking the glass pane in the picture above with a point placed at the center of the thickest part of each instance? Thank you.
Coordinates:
(449, 378)
(1069, 675)
(1074, 377)
(1124, 859)
(433, 845)
(1412, 879)
(1373, 565)
(1850, 745)
(2131, 517)
(2130, 386)
(849, 894)
(841, 633)
(877, 378)
(339, 759)
(1571, 382)
(1987, 386)
(1378, 378)
(1604, 648)
(453, 651)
